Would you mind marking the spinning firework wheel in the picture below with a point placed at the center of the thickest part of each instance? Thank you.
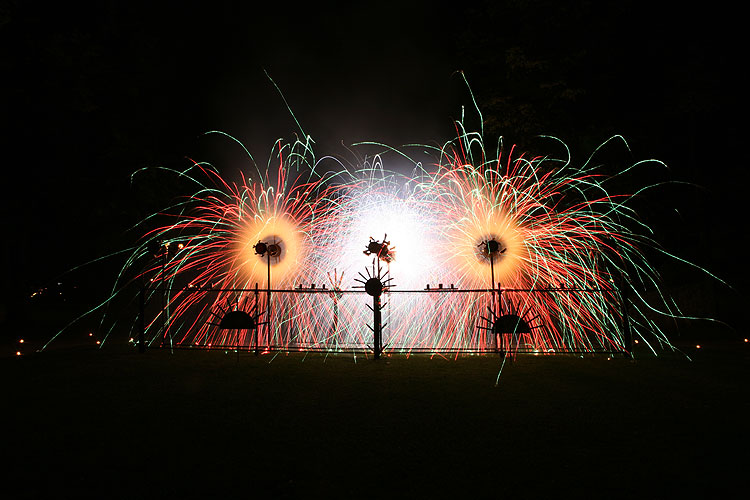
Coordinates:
(381, 249)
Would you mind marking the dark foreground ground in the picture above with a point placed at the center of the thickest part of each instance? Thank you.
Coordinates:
(113, 423)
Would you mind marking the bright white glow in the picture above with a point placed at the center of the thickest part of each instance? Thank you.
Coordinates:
(410, 230)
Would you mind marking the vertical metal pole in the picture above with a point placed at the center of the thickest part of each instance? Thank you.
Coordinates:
(237, 341)
(500, 339)
(164, 295)
(333, 337)
(268, 306)
(492, 269)
(376, 328)
(257, 318)
(388, 318)
(142, 319)
(626, 318)
(492, 296)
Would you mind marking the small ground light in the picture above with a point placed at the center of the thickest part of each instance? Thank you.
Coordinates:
(745, 340)
(18, 353)
(698, 346)
(20, 341)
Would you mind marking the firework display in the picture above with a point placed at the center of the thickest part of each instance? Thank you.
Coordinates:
(476, 252)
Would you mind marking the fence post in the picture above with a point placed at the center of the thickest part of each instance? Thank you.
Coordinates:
(257, 318)
(142, 319)
(377, 329)
(625, 317)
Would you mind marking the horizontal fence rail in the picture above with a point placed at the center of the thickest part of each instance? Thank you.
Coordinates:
(430, 320)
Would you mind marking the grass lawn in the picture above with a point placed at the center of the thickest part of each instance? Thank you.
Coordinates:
(113, 423)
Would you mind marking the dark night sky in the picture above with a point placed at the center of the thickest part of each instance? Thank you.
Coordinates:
(92, 92)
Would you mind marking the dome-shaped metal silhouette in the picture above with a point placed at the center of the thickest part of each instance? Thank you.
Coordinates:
(237, 320)
(510, 323)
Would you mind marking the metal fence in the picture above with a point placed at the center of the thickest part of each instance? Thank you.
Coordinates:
(430, 320)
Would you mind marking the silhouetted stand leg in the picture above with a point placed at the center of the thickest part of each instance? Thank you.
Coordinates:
(377, 327)
(500, 336)
(332, 338)
(164, 296)
(627, 333)
(142, 319)
(257, 319)
(268, 306)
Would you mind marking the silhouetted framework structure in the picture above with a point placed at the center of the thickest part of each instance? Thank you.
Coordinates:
(374, 319)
